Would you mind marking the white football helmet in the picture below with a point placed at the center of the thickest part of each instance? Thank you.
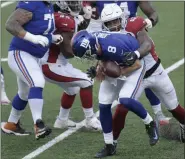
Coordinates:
(74, 7)
(113, 18)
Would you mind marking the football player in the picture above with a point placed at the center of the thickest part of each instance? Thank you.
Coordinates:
(106, 46)
(32, 25)
(59, 71)
(4, 98)
(130, 10)
(155, 77)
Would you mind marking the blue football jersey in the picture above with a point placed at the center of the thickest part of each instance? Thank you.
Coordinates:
(114, 45)
(42, 23)
(129, 7)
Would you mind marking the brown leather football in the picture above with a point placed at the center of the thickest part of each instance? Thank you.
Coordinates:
(111, 69)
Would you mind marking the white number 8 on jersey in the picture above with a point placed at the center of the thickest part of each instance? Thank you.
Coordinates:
(112, 49)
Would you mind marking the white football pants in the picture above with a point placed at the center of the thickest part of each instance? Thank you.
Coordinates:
(162, 86)
(27, 70)
(67, 77)
(111, 89)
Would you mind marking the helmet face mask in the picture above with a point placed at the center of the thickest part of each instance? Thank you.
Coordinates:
(84, 45)
(73, 7)
(113, 25)
(89, 55)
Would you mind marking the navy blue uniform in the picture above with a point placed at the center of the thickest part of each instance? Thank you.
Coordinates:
(114, 45)
(42, 23)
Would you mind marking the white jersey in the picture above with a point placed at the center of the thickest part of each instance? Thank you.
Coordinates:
(94, 25)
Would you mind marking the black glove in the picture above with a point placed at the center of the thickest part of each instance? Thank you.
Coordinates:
(129, 58)
(91, 72)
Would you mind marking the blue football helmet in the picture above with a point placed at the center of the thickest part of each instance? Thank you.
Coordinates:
(84, 45)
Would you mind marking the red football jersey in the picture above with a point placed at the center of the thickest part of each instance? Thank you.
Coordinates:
(135, 25)
(63, 23)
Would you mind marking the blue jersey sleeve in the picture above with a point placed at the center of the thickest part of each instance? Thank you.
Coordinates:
(134, 44)
(114, 46)
(27, 5)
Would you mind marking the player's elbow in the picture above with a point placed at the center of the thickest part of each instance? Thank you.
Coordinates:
(8, 25)
(68, 54)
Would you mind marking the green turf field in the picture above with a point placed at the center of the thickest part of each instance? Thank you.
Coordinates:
(133, 144)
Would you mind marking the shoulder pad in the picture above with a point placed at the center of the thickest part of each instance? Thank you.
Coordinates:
(135, 24)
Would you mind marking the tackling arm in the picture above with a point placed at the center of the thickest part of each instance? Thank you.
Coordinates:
(16, 20)
(65, 46)
(145, 43)
(149, 11)
(127, 70)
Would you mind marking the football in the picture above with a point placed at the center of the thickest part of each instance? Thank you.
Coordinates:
(111, 69)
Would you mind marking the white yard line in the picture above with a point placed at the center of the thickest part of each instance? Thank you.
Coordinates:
(175, 66)
(4, 59)
(6, 4)
(69, 132)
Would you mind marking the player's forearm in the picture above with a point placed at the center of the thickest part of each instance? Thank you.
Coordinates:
(128, 70)
(149, 11)
(83, 25)
(66, 51)
(144, 49)
(16, 20)
(145, 43)
(65, 46)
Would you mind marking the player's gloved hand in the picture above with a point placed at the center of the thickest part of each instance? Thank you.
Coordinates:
(148, 23)
(129, 58)
(37, 39)
(87, 12)
(57, 39)
(79, 19)
(91, 72)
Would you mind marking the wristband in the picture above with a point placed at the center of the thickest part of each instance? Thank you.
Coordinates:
(29, 37)
(137, 53)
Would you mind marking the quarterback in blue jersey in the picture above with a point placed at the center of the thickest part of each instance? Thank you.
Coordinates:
(32, 25)
(130, 10)
(107, 46)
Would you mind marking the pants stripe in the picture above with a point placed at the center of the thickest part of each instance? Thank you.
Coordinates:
(22, 68)
(138, 82)
(29, 76)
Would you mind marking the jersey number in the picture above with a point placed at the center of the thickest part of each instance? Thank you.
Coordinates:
(49, 18)
(112, 49)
